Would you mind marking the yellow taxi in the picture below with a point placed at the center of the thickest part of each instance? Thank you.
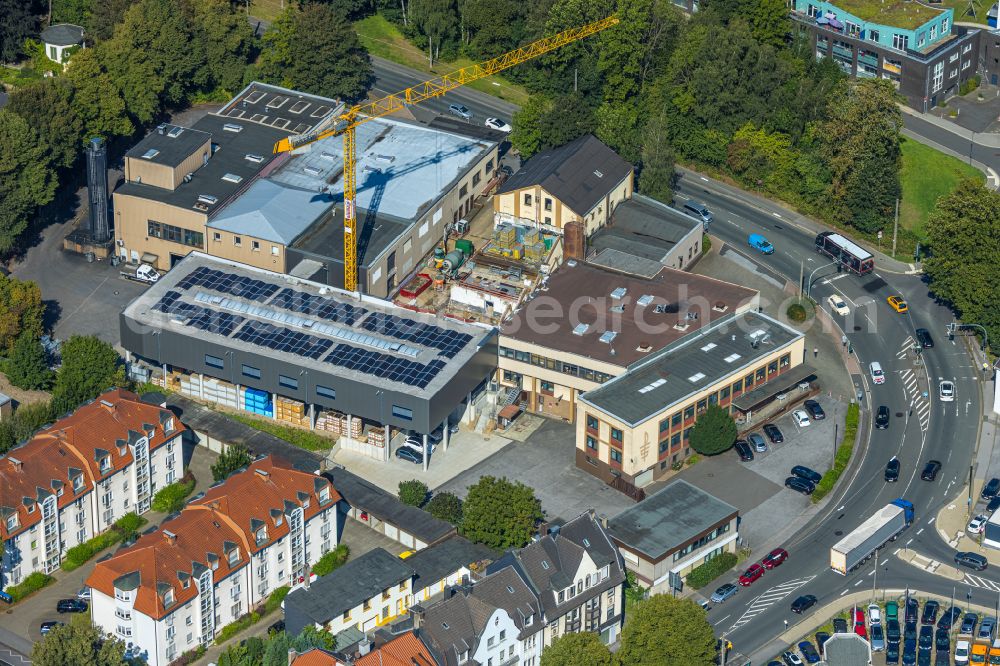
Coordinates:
(897, 303)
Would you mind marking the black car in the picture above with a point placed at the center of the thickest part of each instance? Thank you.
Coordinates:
(924, 658)
(926, 640)
(773, 433)
(804, 472)
(892, 653)
(971, 560)
(803, 603)
(892, 470)
(809, 652)
(406, 453)
(71, 606)
(969, 622)
(909, 653)
(743, 450)
(276, 628)
(993, 505)
(929, 616)
(924, 338)
(942, 643)
(892, 630)
(942, 659)
(839, 625)
(48, 626)
(800, 485)
(910, 612)
(949, 617)
(910, 631)
(930, 470)
(991, 489)
(882, 418)
(821, 638)
(815, 410)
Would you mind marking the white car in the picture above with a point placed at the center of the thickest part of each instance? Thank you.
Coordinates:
(977, 525)
(838, 305)
(417, 443)
(497, 124)
(84, 594)
(147, 273)
(946, 391)
(801, 418)
(875, 368)
(961, 653)
(874, 614)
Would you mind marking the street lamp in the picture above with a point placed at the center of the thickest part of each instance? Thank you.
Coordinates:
(809, 283)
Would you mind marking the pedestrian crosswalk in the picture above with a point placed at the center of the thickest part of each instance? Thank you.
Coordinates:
(919, 404)
(978, 581)
(906, 348)
(772, 596)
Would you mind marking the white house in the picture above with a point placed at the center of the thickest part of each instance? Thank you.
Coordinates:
(59, 39)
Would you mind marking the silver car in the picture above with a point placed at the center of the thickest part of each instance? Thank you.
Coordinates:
(723, 593)
(460, 110)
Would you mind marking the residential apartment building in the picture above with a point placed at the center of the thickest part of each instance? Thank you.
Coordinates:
(177, 587)
(916, 46)
(637, 426)
(581, 181)
(73, 480)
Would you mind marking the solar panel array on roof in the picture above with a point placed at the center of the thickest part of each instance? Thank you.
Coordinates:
(282, 339)
(449, 343)
(204, 319)
(384, 366)
(317, 306)
(227, 283)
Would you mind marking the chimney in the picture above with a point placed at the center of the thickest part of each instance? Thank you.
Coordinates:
(292, 656)
(364, 647)
(170, 537)
(417, 613)
(15, 463)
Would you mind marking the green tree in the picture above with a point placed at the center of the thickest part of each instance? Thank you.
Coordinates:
(227, 37)
(413, 492)
(49, 108)
(964, 235)
(18, 22)
(171, 498)
(579, 649)
(331, 560)
(437, 21)
(619, 126)
(713, 432)
(761, 159)
(663, 630)
(105, 15)
(78, 643)
(500, 513)
(89, 367)
(656, 173)
(28, 366)
(768, 20)
(233, 458)
(27, 419)
(27, 180)
(76, 12)
(97, 98)
(21, 311)
(490, 27)
(526, 135)
(315, 49)
(862, 147)
(445, 506)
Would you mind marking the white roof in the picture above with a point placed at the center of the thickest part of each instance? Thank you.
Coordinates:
(851, 246)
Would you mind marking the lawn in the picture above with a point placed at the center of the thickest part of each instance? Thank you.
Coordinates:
(926, 175)
(384, 40)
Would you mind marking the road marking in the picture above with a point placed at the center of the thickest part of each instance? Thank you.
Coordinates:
(931, 521)
(895, 552)
(919, 531)
(703, 178)
(722, 620)
(843, 593)
(776, 214)
(882, 563)
(908, 543)
(858, 583)
(769, 598)
(984, 583)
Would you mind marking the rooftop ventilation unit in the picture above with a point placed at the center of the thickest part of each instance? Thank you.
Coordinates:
(655, 385)
(209, 199)
(256, 159)
(644, 347)
(328, 156)
(682, 325)
(232, 178)
(175, 132)
(311, 170)
(618, 308)
(607, 337)
(697, 377)
(150, 154)
(644, 300)
(571, 263)
(232, 127)
(580, 329)
(720, 307)
(692, 316)
(619, 293)
(161, 128)
(598, 174)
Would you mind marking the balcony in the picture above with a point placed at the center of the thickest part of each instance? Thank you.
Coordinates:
(870, 60)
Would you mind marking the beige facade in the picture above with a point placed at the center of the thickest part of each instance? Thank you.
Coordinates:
(246, 249)
(536, 206)
(175, 233)
(138, 170)
(609, 447)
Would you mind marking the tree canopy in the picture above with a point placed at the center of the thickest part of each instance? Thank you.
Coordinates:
(713, 432)
(28, 367)
(445, 506)
(21, 311)
(413, 492)
(18, 21)
(233, 458)
(664, 630)
(78, 643)
(89, 366)
(27, 180)
(500, 513)
(577, 649)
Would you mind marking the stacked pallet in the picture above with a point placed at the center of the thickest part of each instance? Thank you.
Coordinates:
(291, 411)
(376, 437)
(210, 390)
(258, 402)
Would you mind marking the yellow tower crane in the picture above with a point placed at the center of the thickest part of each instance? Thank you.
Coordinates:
(345, 123)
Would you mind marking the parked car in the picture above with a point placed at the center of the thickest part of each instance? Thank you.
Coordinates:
(48, 626)
(968, 626)
(946, 391)
(498, 125)
(815, 410)
(926, 639)
(892, 470)
(839, 625)
(949, 618)
(838, 305)
(930, 470)
(809, 652)
(924, 338)
(993, 505)
(972, 561)
(892, 653)
(800, 485)
(757, 442)
(910, 631)
(750, 575)
(804, 603)
(897, 303)
(71, 606)
(882, 418)
(698, 211)
(911, 609)
(977, 525)
(821, 638)
(723, 593)
(891, 611)
(416, 442)
(991, 489)
(804, 472)
(909, 653)
(942, 643)
(790, 658)
(406, 453)
(987, 626)
(859, 623)
(774, 558)
(773, 433)
(929, 615)
(874, 614)
(84, 593)
(961, 653)
(877, 638)
(460, 110)
(801, 418)
(743, 450)
(276, 628)
(892, 632)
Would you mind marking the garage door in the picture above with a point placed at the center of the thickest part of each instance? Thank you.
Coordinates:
(406, 539)
(391, 531)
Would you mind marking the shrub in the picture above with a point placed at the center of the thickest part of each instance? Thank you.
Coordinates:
(705, 573)
(714, 432)
(236, 627)
(445, 506)
(274, 600)
(332, 560)
(843, 455)
(796, 313)
(189, 657)
(706, 243)
(34, 582)
(170, 499)
(129, 524)
(694, 458)
(124, 528)
(413, 492)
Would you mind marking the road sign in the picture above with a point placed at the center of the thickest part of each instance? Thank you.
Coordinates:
(880, 234)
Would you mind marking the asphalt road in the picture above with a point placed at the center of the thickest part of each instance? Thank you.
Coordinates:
(960, 141)
(936, 430)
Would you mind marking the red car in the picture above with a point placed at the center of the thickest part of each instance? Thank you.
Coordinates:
(774, 558)
(750, 575)
(859, 623)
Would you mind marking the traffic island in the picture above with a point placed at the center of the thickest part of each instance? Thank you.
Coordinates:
(953, 520)
(930, 565)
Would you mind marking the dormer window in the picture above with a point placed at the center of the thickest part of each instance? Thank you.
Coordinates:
(78, 483)
(324, 495)
(215, 564)
(31, 508)
(278, 520)
(168, 426)
(12, 523)
(463, 657)
(305, 503)
(186, 583)
(168, 598)
(234, 556)
(105, 464)
(529, 620)
(261, 535)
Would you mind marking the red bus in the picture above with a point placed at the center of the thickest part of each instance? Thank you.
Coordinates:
(851, 255)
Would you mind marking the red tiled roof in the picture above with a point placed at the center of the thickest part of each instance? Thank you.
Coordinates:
(214, 524)
(315, 657)
(404, 650)
(73, 443)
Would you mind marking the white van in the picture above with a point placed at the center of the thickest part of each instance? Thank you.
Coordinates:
(878, 377)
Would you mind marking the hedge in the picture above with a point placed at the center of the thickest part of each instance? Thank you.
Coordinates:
(125, 527)
(189, 657)
(170, 499)
(274, 600)
(705, 573)
(331, 560)
(34, 582)
(843, 455)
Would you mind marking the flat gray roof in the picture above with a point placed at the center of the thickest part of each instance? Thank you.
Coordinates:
(645, 228)
(272, 212)
(689, 365)
(363, 339)
(668, 519)
(168, 144)
(291, 111)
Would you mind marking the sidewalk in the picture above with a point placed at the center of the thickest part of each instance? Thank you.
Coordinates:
(986, 140)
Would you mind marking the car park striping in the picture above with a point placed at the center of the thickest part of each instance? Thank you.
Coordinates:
(769, 598)
(984, 583)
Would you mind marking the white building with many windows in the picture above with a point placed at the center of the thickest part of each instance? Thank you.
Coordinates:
(217, 561)
(73, 480)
